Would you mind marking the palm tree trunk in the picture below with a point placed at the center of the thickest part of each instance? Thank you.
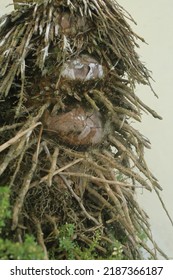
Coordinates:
(78, 88)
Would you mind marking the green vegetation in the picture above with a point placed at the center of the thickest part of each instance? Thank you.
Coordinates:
(70, 249)
(66, 245)
(5, 212)
(25, 250)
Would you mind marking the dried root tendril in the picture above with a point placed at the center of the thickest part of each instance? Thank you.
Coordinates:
(53, 180)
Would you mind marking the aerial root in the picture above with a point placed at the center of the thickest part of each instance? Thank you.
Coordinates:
(53, 166)
(52, 184)
(25, 187)
(40, 235)
(79, 200)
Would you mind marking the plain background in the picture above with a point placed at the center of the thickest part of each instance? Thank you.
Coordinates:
(155, 23)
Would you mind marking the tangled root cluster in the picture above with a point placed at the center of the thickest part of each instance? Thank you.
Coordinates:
(68, 151)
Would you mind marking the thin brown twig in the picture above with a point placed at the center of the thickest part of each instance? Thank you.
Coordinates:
(79, 201)
(18, 136)
(53, 166)
(25, 187)
(97, 179)
(62, 168)
(40, 235)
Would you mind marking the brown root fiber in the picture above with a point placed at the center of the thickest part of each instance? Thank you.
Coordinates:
(67, 149)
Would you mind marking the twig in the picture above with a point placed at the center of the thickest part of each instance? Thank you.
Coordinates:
(53, 166)
(25, 187)
(18, 136)
(61, 169)
(164, 207)
(124, 170)
(122, 219)
(79, 200)
(143, 169)
(82, 237)
(8, 127)
(40, 235)
(96, 179)
(13, 152)
(22, 153)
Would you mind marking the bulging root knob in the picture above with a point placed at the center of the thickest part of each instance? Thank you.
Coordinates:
(77, 127)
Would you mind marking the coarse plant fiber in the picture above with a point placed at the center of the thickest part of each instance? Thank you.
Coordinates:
(52, 182)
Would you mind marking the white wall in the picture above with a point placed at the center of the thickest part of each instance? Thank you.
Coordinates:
(155, 23)
(5, 6)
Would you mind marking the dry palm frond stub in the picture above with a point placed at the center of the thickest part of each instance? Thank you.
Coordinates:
(67, 80)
